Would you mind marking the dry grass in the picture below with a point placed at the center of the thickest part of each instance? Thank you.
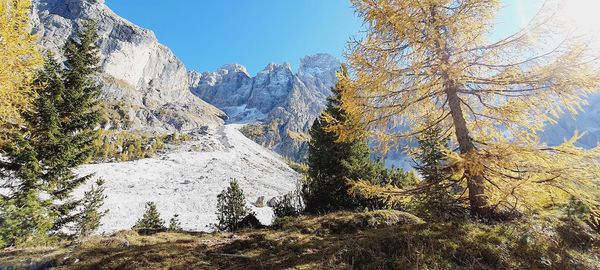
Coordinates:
(310, 243)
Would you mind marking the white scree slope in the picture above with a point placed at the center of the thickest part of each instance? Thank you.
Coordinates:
(186, 181)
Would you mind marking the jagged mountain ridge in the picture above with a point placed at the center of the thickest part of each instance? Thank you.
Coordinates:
(285, 102)
(144, 83)
(287, 119)
(148, 88)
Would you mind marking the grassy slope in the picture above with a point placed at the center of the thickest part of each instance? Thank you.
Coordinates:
(338, 241)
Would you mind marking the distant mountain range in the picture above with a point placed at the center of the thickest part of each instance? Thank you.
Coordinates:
(147, 88)
(285, 102)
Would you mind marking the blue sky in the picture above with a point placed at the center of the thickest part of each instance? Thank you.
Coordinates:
(207, 34)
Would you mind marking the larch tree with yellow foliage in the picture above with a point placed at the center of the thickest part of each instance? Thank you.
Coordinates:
(19, 59)
(431, 61)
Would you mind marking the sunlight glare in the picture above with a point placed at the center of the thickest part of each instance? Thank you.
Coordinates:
(582, 15)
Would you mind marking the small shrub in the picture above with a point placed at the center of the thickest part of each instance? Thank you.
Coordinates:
(577, 210)
(284, 223)
(299, 167)
(289, 205)
(88, 220)
(231, 207)
(253, 130)
(114, 145)
(250, 222)
(174, 223)
(151, 220)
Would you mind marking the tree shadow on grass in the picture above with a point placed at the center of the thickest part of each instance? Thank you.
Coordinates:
(169, 255)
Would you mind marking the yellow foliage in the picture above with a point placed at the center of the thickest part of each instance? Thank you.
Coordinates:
(432, 60)
(19, 59)
(113, 145)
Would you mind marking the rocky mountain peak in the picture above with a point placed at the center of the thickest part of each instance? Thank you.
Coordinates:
(274, 67)
(143, 80)
(318, 64)
(319, 72)
(233, 68)
(274, 95)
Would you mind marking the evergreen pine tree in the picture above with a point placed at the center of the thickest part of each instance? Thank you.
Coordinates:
(57, 137)
(25, 217)
(231, 207)
(88, 219)
(80, 115)
(431, 158)
(331, 162)
(70, 143)
(151, 219)
(174, 224)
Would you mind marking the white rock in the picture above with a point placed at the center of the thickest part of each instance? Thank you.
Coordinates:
(187, 183)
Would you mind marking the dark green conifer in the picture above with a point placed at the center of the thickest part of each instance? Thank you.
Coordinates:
(174, 224)
(88, 218)
(79, 115)
(57, 137)
(331, 162)
(231, 207)
(436, 198)
(151, 219)
(25, 217)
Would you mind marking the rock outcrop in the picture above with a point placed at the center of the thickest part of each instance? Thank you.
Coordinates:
(146, 88)
(286, 103)
(144, 84)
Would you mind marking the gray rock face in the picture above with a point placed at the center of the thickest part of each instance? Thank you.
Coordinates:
(286, 102)
(229, 86)
(143, 80)
(271, 87)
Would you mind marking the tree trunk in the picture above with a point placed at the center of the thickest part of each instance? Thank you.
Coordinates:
(478, 201)
(475, 182)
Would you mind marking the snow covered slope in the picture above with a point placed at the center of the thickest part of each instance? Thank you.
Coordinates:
(188, 180)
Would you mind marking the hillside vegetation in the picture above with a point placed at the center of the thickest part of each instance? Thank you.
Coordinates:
(344, 240)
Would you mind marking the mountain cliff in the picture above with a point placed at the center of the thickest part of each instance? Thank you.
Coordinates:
(147, 88)
(144, 84)
(286, 103)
